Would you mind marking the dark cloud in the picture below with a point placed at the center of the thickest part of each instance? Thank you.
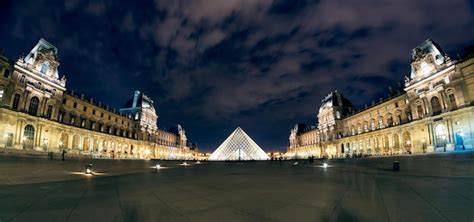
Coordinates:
(214, 65)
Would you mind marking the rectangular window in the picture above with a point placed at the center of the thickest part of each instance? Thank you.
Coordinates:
(75, 105)
(452, 100)
(93, 112)
(83, 122)
(64, 101)
(60, 116)
(49, 112)
(84, 109)
(6, 73)
(16, 101)
(1, 95)
(420, 111)
(102, 115)
(73, 120)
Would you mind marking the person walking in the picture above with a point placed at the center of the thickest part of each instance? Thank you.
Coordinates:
(63, 154)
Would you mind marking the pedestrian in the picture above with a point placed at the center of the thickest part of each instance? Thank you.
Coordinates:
(63, 154)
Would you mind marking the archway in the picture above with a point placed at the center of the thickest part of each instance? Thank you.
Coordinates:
(441, 135)
(63, 140)
(28, 137)
(86, 144)
(385, 144)
(407, 141)
(96, 145)
(396, 143)
(75, 141)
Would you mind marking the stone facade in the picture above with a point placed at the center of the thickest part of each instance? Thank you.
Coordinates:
(38, 113)
(434, 112)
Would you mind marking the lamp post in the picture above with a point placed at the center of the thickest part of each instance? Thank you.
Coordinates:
(89, 169)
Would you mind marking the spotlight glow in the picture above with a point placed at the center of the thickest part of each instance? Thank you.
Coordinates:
(295, 163)
(184, 164)
(325, 165)
(198, 162)
(158, 166)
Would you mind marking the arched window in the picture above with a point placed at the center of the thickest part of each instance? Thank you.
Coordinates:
(28, 136)
(34, 103)
(381, 123)
(441, 135)
(76, 141)
(435, 105)
(390, 120)
(406, 138)
(44, 67)
(396, 143)
(63, 141)
(16, 101)
(372, 124)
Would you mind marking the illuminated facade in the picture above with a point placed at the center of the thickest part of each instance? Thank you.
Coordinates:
(38, 114)
(433, 113)
(238, 146)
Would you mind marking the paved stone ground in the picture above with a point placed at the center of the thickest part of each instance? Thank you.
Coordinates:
(428, 188)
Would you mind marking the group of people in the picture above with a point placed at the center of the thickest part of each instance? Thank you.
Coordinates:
(63, 155)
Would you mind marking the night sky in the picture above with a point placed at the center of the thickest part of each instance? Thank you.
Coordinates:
(213, 65)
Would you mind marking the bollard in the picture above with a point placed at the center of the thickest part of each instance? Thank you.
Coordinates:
(396, 166)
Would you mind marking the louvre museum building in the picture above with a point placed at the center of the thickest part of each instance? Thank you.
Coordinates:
(433, 112)
(39, 114)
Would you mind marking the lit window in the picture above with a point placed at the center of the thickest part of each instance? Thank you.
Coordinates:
(44, 67)
(1, 94)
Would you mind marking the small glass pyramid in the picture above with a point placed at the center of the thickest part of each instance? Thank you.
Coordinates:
(238, 146)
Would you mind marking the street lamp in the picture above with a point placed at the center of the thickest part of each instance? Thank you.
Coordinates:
(89, 169)
(325, 165)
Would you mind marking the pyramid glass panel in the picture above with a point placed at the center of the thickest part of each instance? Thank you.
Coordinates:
(238, 146)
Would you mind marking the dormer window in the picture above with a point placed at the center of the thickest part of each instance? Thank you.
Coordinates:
(44, 67)
(446, 79)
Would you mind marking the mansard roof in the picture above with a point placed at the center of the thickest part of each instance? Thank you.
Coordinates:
(139, 100)
(41, 46)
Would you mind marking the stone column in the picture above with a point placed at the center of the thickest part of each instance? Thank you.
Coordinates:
(25, 100)
(443, 100)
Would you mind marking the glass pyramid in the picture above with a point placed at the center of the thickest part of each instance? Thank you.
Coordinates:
(238, 146)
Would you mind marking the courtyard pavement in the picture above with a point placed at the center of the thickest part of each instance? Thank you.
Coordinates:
(427, 188)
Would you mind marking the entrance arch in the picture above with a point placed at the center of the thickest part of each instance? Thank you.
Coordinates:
(28, 137)
(407, 141)
(75, 141)
(396, 143)
(86, 144)
(441, 135)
